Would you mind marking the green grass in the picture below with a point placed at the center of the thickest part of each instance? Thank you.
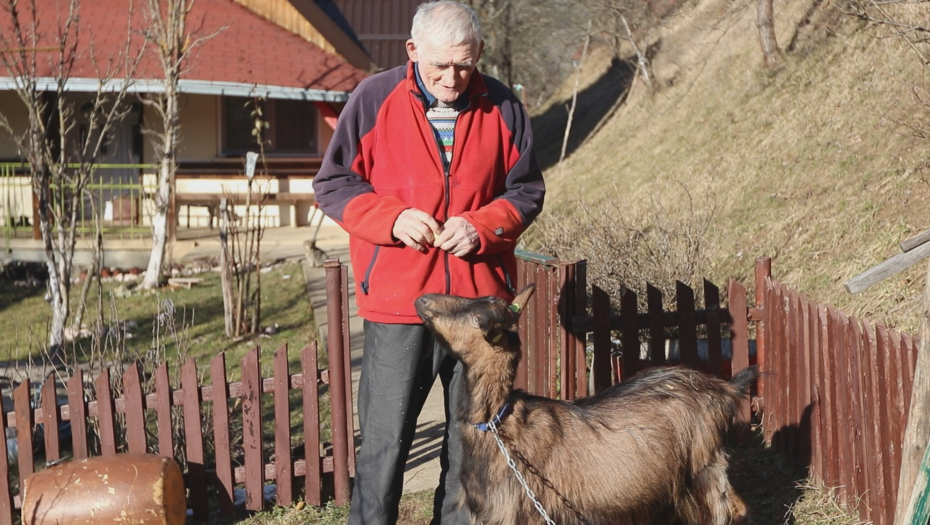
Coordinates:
(196, 330)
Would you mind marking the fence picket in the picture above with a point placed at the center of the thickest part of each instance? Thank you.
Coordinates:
(629, 334)
(873, 423)
(767, 361)
(806, 406)
(566, 298)
(552, 333)
(818, 435)
(522, 380)
(739, 360)
(347, 366)
(77, 414)
(656, 327)
(311, 406)
(897, 415)
(851, 342)
(193, 440)
(600, 365)
(51, 419)
(860, 373)
(282, 429)
(105, 413)
(133, 409)
(24, 426)
(6, 495)
(252, 429)
(687, 326)
(714, 350)
(163, 412)
(220, 399)
(540, 339)
(793, 410)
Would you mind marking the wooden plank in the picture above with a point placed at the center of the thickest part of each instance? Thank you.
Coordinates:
(630, 334)
(24, 428)
(564, 312)
(854, 370)
(581, 305)
(224, 470)
(521, 381)
(77, 414)
(552, 324)
(847, 443)
(335, 293)
(600, 365)
(915, 241)
(714, 344)
(891, 266)
(50, 419)
(311, 419)
(780, 349)
(890, 457)
(818, 448)
(805, 402)
(898, 416)
(347, 368)
(792, 368)
(134, 412)
(105, 413)
(763, 286)
(163, 412)
(832, 474)
(739, 337)
(252, 428)
(282, 430)
(873, 402)
(7, 507)
(687, 326)
(193, 441)
(656, 328)
(540, 341)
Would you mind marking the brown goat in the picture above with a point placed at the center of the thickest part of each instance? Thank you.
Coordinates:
(647, 451)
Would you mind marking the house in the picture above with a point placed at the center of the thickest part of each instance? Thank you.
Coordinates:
(288, 56)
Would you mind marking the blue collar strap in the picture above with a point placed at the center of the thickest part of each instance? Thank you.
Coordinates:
(484, 427)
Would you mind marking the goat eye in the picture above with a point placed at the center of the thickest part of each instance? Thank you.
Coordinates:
(476, 322)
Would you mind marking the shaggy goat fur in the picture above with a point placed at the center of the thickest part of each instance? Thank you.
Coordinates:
(649, 450)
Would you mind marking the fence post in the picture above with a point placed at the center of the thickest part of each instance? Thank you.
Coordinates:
(337, 385)
(763, 270)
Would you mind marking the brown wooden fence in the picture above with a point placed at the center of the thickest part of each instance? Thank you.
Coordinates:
(836, 396)
(243, 445)
(834, 391)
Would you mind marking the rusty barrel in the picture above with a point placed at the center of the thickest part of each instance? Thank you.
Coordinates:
(126, 488)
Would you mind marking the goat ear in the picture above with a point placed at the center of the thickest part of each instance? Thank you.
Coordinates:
(494, 334)
(522, 298)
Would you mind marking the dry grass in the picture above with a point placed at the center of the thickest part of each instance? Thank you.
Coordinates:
(815, 165)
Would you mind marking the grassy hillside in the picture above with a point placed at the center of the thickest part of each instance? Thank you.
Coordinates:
(814, 164)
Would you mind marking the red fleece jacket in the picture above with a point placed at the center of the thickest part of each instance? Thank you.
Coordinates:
(384, 159)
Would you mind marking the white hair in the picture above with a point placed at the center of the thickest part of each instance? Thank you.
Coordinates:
(445, 22)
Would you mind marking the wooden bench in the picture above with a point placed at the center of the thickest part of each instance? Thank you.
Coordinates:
(298, 204)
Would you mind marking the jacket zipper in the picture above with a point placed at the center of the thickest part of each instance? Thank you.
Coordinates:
(446, 168)
(366, 282)
(500, 260)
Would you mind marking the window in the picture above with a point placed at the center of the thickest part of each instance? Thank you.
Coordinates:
(291, 128)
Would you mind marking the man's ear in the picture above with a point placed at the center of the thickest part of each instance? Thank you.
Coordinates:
(412, 53)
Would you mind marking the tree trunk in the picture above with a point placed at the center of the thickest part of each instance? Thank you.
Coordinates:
(766, 22)
(163, 195)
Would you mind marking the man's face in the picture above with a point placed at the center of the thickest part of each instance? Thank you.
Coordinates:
(445, 70)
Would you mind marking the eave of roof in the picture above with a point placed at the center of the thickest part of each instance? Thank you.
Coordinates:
(195, 87)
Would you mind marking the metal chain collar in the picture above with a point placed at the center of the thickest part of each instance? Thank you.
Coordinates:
(492, 426)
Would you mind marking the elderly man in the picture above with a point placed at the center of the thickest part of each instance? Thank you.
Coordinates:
(432, 173)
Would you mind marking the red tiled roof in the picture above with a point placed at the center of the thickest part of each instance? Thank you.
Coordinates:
(246, 48)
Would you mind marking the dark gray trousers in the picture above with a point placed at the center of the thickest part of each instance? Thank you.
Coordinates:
(399, 366)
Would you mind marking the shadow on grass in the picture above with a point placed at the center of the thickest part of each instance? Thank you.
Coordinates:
(767, 481)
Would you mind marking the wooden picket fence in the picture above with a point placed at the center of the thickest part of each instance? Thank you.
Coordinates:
(836, 397)
(834, 392)
(125, 423)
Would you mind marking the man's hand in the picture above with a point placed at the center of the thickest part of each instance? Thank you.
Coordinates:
(458, 237)
(415, 228)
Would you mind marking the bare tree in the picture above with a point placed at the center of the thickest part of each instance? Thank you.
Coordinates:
(62, 140)
(166, 29)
